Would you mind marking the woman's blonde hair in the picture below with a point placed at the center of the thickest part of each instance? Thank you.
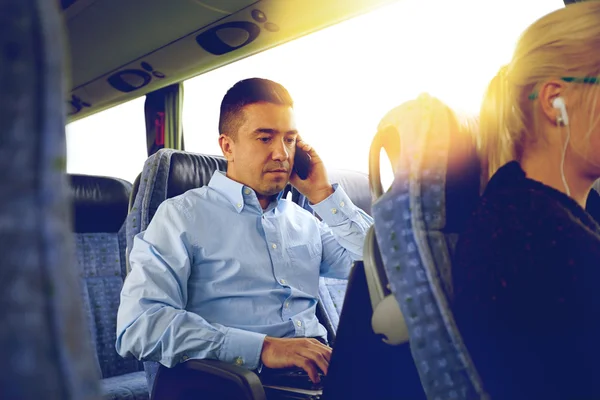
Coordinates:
(564, 44)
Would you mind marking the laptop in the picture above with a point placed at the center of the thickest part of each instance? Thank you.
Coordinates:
(290, 383)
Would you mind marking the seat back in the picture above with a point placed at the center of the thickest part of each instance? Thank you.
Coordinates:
(44, 346)
(167, 173)
(417, 223)
(332, 291)
(134, 190)
(100, 208)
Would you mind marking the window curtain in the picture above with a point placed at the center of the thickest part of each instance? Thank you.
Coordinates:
(163, 109)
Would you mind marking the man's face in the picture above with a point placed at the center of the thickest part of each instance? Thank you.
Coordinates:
(262, 154)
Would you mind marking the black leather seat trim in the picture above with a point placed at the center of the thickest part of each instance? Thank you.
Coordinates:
(100, 203)
(189, 171)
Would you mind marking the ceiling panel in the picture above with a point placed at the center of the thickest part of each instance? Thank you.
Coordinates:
(118, 56)
(107, 34)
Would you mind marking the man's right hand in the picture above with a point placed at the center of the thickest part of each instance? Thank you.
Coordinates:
(308, 354)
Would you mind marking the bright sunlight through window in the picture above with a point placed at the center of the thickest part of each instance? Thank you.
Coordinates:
(343, 80)
(110, 143)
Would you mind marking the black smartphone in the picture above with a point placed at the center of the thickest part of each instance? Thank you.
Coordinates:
(302, 163)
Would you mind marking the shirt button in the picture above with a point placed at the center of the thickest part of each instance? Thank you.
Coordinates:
(239, 205)
(342, 204)
(274, 246)
(334, 210)
(185, 358)
(239, 361)
(282, 281)
(287, 304)
(299, 323)
(247, 191)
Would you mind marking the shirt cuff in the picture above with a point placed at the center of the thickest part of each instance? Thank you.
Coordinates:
(335, 209)
(242, 348)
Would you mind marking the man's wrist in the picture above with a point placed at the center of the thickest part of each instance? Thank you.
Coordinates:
(317, 196)
(242, 348)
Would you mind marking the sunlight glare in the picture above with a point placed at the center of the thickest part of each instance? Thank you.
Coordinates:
(346, 77)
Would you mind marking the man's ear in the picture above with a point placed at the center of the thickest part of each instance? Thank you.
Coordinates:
(227, 144)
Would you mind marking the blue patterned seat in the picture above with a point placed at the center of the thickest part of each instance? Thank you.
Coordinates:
(44, 345)
(100, 208)
(166, 174)
(417, 223)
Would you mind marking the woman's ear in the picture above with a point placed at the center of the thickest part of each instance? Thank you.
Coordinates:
(548, 93)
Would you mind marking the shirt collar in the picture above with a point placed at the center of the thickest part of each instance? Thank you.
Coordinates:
(236, 193)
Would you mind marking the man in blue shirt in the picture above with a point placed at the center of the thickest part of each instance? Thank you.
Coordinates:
(230, 271)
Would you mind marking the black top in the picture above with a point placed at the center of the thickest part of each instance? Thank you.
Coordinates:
(527, 295)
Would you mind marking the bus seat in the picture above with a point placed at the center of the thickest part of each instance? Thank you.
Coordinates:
(166, 174)
(44, 346)
(100, 206)
(134, 190)
(365, 364)
(417, 223)
(362, 365)
(332, 291)
(170, 172)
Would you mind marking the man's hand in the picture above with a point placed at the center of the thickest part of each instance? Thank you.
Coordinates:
(316, 186)
(308, 354)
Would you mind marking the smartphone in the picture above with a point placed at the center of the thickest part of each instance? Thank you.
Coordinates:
(302, 163)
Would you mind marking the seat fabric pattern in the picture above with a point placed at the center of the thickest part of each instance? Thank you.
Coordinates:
(167, 173)
(131, 386)
(44, 346)
(100, 208)
(417, 224)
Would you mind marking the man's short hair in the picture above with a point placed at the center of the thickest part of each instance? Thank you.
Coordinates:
(243, 93)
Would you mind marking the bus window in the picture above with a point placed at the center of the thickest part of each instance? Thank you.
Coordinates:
(346, 77)
(110, 143)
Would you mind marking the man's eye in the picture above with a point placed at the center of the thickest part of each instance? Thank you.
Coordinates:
(264, 139)
(291, 140)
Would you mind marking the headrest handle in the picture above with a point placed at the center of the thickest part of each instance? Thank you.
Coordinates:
(387, 138)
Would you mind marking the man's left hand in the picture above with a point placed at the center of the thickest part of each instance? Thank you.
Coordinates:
(316, 186)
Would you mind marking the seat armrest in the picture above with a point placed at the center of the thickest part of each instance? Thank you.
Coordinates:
(240, 376)
(211, 379)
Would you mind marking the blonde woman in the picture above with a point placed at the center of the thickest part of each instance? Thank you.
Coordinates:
(527, 269)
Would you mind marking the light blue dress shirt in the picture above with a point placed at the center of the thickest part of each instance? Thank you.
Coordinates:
(214, 274)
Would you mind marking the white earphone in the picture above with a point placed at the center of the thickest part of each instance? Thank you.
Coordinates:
(563, 118)
(559, 104)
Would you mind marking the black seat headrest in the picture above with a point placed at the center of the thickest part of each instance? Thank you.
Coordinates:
(191, 171)
(100, 203)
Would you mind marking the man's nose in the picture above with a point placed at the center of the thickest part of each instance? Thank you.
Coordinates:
(280, 151)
